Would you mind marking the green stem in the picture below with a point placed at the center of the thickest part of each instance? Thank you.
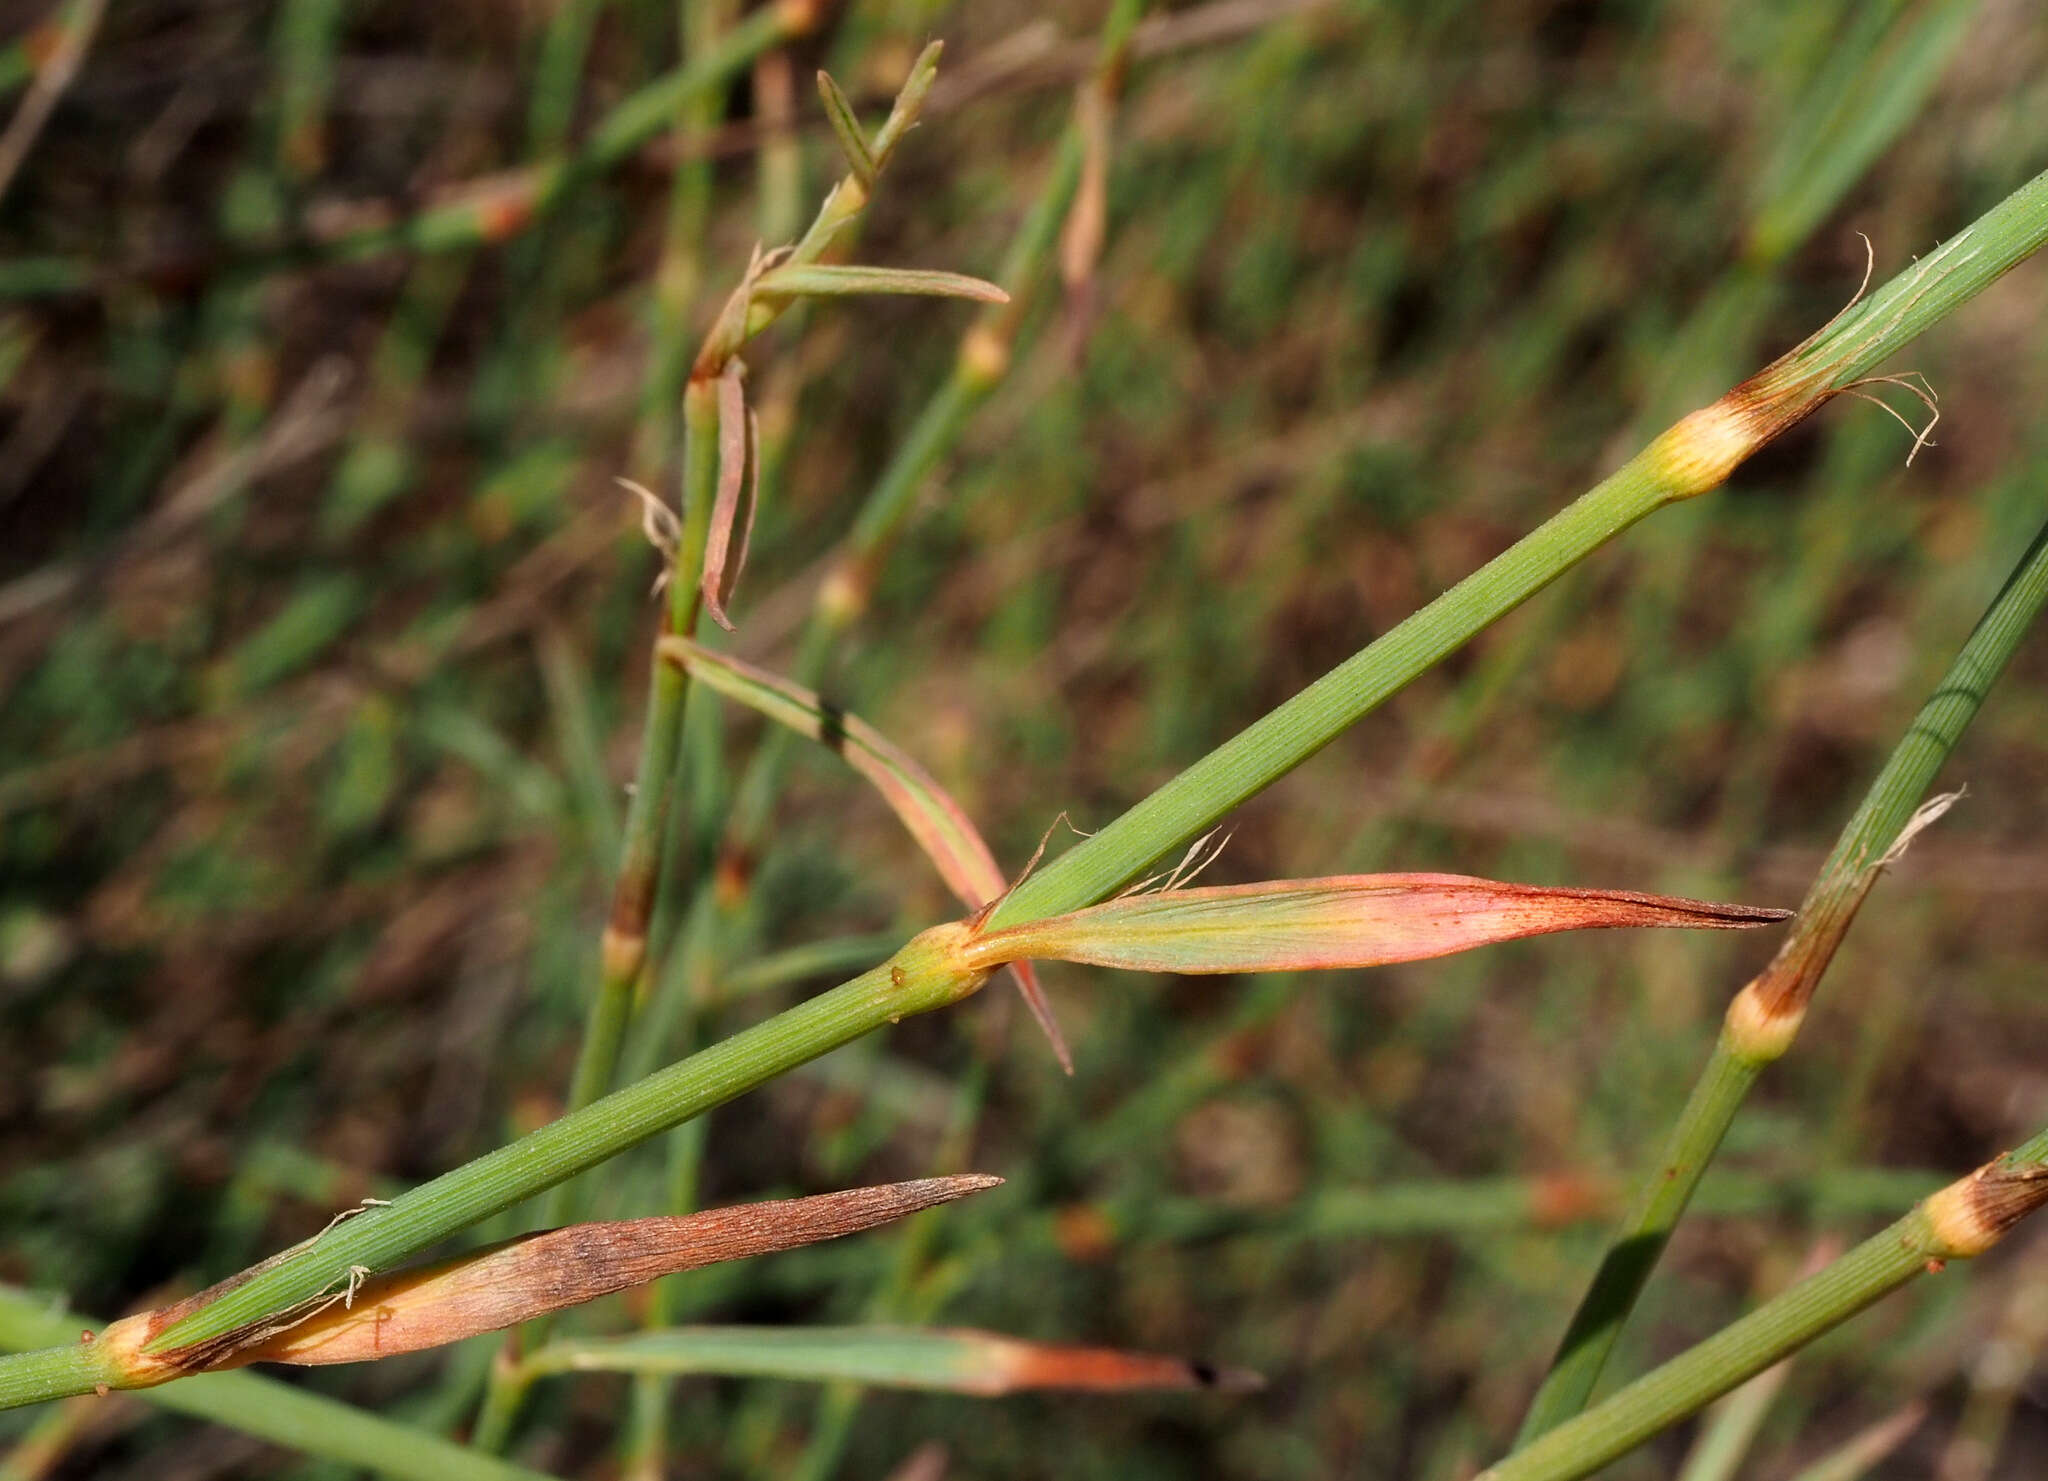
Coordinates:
(558, 74)
(1763, 1021)
(1874, 1269)
(1638, 1241)
(1272, 746)
(625, 948)
(51, 1373)
(1961, 1221)
(916, 980)
(263, 1407)
(504, 1395)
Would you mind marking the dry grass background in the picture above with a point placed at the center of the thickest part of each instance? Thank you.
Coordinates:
(323, 627)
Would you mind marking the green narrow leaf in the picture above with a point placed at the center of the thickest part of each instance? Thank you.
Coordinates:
(1347, 920)
(938, 823)
(909, 102)
(938, 1359)
(826, 280)
(860, 160)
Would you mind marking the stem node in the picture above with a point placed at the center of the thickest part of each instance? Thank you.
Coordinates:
(622, 953)
(1760, 1026)
(1698, 452)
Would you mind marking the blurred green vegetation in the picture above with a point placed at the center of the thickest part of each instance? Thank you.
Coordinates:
(323, 631)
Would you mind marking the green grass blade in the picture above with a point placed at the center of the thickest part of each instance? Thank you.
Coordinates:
(935, 1359)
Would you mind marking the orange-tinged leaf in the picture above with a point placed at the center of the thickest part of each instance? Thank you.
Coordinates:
(938, 824)
(1348, 920)
(379, 1316)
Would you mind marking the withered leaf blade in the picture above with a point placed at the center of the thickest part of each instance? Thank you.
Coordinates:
(535, 1274)
(1348, 920)
(732, 511)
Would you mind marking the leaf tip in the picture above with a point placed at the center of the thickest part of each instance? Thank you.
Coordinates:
(1033, 993)
(1224, 1380)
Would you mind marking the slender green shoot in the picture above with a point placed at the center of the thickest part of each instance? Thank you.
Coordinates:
(1963, 1220)
(1764, 1018)
(714, 447)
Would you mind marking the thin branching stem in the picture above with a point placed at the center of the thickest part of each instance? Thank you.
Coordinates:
(1962, 1220)
(1763, 1020)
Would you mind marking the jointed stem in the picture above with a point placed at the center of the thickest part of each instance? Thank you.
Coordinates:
(1962, 1220)
(916, 980)
(1765, 1017)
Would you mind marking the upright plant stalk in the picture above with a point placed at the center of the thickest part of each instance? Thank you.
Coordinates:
(1961, 1221)
(1764, 1017)
(676, 290)
(679, 276)
(624, 946)
(982, 362)
(979, 366)
(625, 936)
(1693, 456)
(750, 310)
